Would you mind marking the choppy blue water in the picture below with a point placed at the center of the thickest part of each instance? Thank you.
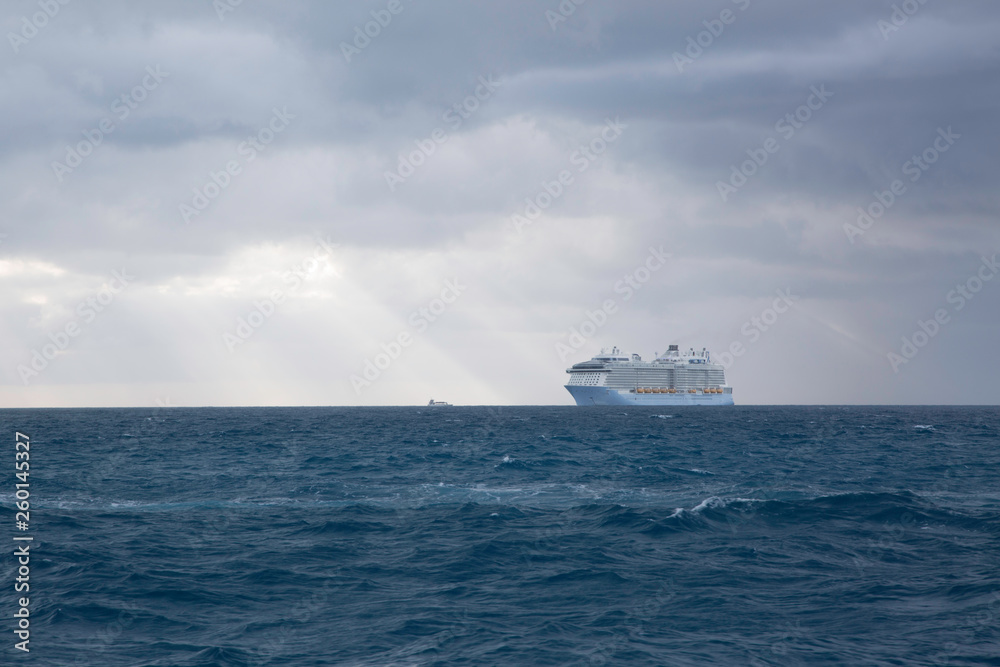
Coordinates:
(511, 536)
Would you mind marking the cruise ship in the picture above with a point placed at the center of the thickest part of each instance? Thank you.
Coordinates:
(674, 378)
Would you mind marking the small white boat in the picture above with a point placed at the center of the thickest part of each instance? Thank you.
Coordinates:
(433, 402)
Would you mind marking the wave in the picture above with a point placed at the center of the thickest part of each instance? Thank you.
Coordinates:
(540, 495)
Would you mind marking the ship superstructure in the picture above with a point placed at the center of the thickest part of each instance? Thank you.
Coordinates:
(674, 378)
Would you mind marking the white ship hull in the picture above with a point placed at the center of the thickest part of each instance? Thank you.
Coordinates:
(605, 396)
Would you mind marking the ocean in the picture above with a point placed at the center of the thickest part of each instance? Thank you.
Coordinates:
(508, 536)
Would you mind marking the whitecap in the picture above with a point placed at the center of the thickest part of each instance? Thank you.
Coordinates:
(711, 502)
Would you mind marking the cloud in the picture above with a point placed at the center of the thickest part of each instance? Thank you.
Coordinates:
(324, 176)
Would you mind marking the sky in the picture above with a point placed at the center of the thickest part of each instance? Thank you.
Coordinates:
(383, 202)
